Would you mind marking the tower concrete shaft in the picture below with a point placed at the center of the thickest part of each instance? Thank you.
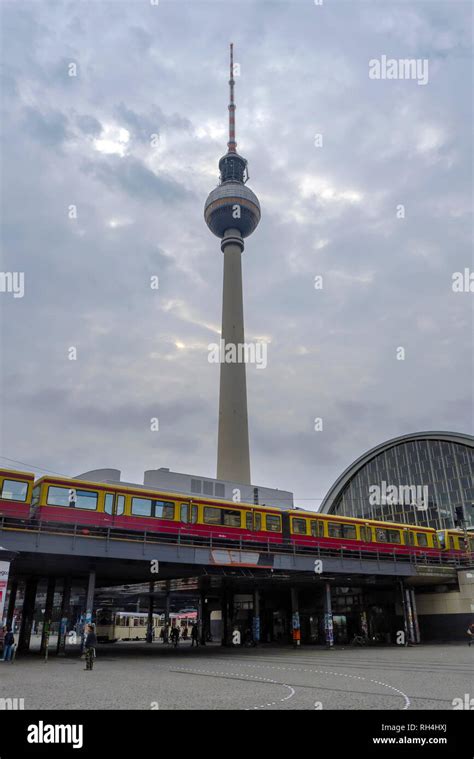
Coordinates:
(233, 456)
(232, 212)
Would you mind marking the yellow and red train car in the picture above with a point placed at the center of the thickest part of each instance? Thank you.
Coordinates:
(16, 489)
(125, 508)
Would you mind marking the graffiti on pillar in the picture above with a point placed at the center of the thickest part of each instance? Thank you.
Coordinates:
(256, 629)
(329, 629)
(4, 572)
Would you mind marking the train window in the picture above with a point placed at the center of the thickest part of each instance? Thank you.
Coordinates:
(249, 520)
(141, 507)
(79, 499)
(334, 530)
(226, 517)
(299, 526)
(212, 515)
(393, 536)
(231, 518)
(471, 544)
(273, 523)
(349, 531)
(120, 507)
(163, 509)
(314, 528)
(184, 513)
(194, 513)
(109, 503)
(14, 490)
(257, 522)
(422, 539)
(381, 535)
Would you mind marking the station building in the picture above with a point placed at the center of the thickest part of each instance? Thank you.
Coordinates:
(419, 478)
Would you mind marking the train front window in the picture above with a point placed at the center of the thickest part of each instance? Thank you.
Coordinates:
(14, 490)
(273, 523)
(36, 496)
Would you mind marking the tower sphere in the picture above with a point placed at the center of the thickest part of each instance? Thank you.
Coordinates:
(232, 205)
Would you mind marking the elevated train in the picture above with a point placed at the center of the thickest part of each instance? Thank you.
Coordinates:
(127, 508)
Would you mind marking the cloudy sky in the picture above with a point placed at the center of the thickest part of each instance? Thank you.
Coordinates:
(132, 141)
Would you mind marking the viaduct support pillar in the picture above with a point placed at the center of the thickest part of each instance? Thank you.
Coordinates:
(27, 614)
(48, 614)
(328, 620)
(415, 616)
(256, 616)
(11, 603)
(62, 632)
(149, 627)
(295, 618)
(90, 597)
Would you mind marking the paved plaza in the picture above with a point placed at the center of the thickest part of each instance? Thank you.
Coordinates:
(131, 675)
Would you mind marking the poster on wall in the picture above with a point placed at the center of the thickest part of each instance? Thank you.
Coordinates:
(4, 572)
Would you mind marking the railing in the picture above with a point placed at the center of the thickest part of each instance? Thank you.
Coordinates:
(189, 540)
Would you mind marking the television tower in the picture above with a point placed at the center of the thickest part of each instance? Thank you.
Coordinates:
(232, 212)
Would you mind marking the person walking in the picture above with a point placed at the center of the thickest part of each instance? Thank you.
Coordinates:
(175, 636)
(8, 644)
(90, 644)
(470, 632)
(194, 635)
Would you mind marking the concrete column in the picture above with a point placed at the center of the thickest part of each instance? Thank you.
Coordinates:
(409, 613)
(63, 621)
(48, 614)
(203, 616)
(27, 614)
(405, 612)
(11, 603)
(295, 618)
(233, 457)
(328, 620)
(167, 604)
(416, 626)
(149, 627)
(90, 597)
(256, 616)
(225, 617)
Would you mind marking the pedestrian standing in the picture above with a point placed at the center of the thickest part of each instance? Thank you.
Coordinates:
(194, 635)
(8, 644)
(470, 632)
(90, 644)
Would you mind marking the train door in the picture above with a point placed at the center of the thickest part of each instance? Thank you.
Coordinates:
(188, 513)
(114, 506)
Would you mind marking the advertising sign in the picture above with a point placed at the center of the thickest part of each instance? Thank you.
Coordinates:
(4, 572)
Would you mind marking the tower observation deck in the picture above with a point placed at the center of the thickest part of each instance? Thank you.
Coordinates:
(232, 212)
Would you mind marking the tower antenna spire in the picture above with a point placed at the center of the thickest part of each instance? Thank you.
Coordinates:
(232, 145)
